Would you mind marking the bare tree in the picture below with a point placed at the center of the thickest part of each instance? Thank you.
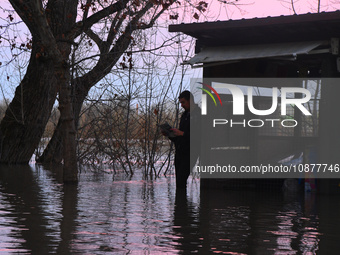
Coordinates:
(73, 45)
(55, 27)
(120, 127)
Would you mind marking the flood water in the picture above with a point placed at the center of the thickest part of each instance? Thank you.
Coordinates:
(106, 215)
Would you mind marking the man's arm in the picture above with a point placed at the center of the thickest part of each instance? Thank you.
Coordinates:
(177, 132)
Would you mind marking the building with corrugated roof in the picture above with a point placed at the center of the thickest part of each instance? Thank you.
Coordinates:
(299, 46)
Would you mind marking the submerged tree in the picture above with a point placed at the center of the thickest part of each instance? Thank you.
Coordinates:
(74, 45)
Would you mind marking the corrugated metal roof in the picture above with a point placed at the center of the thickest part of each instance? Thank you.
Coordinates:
(304, 27)
(241, 52)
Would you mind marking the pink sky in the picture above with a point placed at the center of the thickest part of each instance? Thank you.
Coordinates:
(263, 8)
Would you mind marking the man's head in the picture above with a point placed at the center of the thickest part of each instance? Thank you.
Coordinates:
(185, 99)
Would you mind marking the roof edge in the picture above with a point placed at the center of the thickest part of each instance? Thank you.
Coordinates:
(255, 22)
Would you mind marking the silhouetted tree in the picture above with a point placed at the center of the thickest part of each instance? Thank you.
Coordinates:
(74, 45)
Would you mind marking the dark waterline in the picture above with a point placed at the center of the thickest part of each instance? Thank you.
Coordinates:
(39, 215)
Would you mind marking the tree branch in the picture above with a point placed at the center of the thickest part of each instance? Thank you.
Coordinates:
(107, 61)
(32, 13)
(164, 44)
(86, 12)
(95, 38)
(82, 26)
(153, 20)
(293, 7)
(115, 27)
(23, 11)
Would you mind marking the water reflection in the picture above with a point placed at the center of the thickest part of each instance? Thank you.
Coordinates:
(38, 214)
(186, 225)
(29, 211)
(259, 223)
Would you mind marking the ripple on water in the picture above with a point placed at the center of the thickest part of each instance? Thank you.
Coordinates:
(102, 215)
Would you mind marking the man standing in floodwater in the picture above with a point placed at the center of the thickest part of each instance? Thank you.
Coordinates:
(184, 162)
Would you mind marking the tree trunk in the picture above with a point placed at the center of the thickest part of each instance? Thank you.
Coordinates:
(48, 73)
(68, 132)
(26, 117)
(81, 87)
(53, 151)
(111, 49)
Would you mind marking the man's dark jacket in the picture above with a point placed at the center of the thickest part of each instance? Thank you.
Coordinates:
(182, 143)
